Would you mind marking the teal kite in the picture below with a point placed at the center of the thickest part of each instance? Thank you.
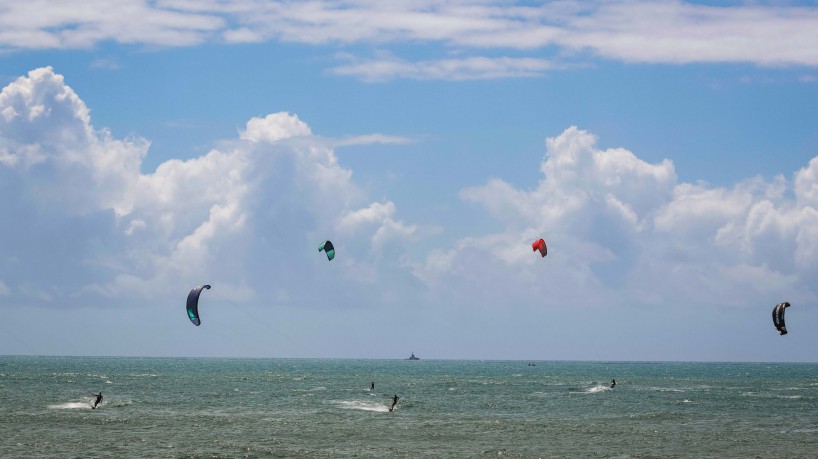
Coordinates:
(328, 248)
(193, 304)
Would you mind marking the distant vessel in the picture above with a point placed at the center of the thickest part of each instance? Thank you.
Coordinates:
(412, 357)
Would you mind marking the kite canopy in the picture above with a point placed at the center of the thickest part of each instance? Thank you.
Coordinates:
(778, 317)
(193, 304)
(328, 248)
(540, 245)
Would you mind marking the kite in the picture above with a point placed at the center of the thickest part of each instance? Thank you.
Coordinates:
(193, 304)
(540, 245)
(328, 248)
(778, 317)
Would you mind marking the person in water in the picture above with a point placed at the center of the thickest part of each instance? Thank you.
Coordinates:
(97, 400)
(613, 383)
(372, 387)
(394, 402)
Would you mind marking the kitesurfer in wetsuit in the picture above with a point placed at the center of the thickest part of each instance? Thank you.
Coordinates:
(97, 401)
(613, 383)
(394, 402)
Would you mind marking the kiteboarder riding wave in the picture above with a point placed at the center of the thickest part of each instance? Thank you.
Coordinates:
(97, 401)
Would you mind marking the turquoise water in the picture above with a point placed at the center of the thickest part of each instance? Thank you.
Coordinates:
(191, 408)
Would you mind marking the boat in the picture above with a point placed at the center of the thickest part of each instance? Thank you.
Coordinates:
(412, 357)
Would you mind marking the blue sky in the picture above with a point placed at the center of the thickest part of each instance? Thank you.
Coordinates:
(664, 150)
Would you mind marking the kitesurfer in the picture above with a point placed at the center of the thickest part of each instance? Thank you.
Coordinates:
(394, 402)
(613, 383)
(97, 400)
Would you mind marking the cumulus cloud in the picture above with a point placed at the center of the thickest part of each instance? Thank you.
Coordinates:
(275, 127)
(235, 216)
(672, 31)
(376, 212)
(89, 228)
(389, 232)
(621, 229)
(45, 126)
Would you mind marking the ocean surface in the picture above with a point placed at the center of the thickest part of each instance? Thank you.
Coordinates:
(214, 408)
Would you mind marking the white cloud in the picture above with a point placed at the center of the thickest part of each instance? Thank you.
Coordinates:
(681, 32)
(391, 231)
(39, 24)
(90, 229)
(676, 32)
(387, 67)
(380, 216)
(375, 213)
(46, 125)
(275, 127)
(369, 139)
(233, 217)
(620, 229)
(576, 175)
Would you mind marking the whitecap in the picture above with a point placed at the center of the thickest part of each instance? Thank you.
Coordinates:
(595, 389)
(666, 389)
(314, 389)
(362, 406)
(71, 406)
(592, 390)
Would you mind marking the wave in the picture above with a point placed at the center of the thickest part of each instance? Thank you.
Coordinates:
(658, 415)
(362, 406)
(310, 392)
(71, 406)
(665, 389)
(119, 403)
(768, 395)
(314, 389)
(599, 388)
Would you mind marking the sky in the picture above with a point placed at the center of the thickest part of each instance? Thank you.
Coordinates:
(666, 151)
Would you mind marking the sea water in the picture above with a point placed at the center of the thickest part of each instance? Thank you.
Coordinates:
(213, 408)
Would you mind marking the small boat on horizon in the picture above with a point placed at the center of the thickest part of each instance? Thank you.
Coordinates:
(412, 357)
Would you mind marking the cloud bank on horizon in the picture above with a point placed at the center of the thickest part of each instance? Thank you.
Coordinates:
(472, 39)
(90, 228)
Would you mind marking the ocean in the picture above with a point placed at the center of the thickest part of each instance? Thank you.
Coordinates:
(305, 408)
